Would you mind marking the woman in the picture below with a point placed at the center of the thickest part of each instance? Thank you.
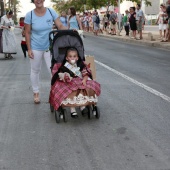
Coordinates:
(132, 21)
(74, 20)
(162, 21)
(64, 19)
(86, 22)
(38, 24)
(90, 22)
(167, 11)
(8, 37)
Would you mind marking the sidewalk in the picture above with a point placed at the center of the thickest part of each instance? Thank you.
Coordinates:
(149, 40)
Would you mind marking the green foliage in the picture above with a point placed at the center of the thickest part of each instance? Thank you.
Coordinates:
(14, 6)
(61, 5)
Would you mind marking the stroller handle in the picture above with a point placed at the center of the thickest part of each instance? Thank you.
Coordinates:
(60, 31)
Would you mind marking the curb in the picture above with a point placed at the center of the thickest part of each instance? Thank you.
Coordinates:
(143, 42)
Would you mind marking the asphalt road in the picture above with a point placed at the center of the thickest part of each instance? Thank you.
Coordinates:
(133, 132)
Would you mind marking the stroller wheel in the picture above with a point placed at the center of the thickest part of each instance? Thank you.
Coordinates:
(57, 116)
(64, 115)
(51, 108)
(97, 110)
(90, 112)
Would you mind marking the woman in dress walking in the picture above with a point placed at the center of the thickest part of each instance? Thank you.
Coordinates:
(8, 37)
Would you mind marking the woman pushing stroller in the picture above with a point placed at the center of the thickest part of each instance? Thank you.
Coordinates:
(72, 84)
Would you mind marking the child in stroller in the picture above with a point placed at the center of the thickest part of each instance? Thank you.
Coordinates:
(72, 84)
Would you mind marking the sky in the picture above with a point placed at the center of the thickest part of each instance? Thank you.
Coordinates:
(27, 6)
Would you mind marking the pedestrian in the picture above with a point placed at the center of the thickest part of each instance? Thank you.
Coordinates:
(21, 22)
(8, 37)
(38, 24)
(119, 21)
(96, 23)
(74, 21)
(64, 19)
(90, 22)
(139, 20)
(23, 43)
(113, 21)
(105, 22)
(126, 22)
(167, 34)
(86, 22)
(132, 21)
(107, 14)
(162, 21)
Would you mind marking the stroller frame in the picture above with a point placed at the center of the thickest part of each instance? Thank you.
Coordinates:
(61, 113)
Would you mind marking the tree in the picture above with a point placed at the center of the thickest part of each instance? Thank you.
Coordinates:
(14, 6)
(61, 5)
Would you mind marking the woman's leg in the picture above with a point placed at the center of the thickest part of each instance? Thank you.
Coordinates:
(47, 58)
(35, 70)
(134, 33)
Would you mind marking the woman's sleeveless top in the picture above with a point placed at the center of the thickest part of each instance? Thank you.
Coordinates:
(74, 23)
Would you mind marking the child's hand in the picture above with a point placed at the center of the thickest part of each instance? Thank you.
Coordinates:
(84, 80)
(67, 77)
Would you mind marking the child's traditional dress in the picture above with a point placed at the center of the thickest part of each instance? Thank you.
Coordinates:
(74, 93)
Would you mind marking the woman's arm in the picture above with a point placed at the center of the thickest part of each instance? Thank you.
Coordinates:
(60, 25)
(28, 40)
(79, 22)
(2, 24)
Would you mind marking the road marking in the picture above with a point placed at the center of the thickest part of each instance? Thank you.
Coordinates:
(147, 88)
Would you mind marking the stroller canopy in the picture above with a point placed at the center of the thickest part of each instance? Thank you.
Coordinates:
(64, 40)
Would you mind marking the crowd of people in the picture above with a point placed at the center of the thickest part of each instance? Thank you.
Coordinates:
(113, 23)
(132, 21)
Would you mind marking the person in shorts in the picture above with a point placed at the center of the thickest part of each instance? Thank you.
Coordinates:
(113, 21)
(139, 20)
(162, 21)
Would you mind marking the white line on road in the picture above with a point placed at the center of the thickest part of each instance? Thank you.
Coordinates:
(147, 88)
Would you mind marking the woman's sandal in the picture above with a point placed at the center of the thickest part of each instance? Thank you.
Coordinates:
(36, 98)
(74, 115)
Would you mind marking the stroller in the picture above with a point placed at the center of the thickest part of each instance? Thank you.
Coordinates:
(60, 41)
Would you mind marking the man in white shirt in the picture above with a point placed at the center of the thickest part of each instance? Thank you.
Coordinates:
(139, 20)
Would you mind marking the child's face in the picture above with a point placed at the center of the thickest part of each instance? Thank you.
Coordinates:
(72, 57)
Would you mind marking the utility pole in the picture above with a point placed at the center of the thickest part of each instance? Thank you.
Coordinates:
(119, 16)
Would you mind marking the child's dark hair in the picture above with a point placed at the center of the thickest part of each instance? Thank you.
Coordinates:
(80, 62)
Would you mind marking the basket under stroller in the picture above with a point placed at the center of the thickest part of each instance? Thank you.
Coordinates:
(61, 41)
